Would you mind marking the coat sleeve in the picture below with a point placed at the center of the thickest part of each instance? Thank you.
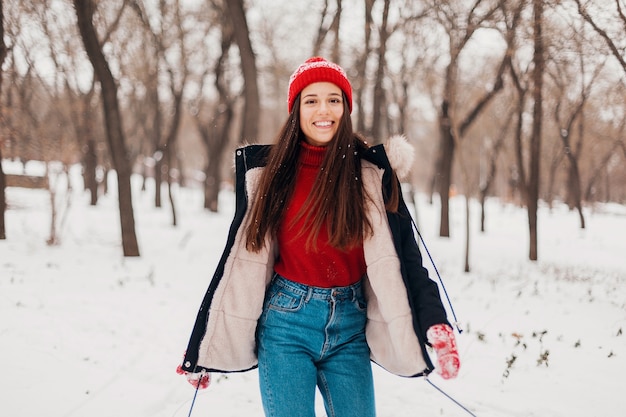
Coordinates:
(423, 292)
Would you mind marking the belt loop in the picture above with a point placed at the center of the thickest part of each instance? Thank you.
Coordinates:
(309, 294)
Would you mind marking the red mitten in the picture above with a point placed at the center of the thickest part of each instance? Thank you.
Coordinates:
(441, 338)
(199, 380)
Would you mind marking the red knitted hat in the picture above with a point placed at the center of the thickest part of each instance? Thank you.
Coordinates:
(315, 70)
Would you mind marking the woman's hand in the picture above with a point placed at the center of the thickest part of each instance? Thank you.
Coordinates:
(199, 380)
(441, 338)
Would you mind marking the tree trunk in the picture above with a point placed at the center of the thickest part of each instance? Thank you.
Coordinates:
(90, 161)
(170, 148)
(170, 194)
(521, 183)
(3, 201)
(535, 140)
(215, 141)
(467, 233)
(444, 167)
(575, 189)
(490, 176)
(575, 193)
(450, 135)
(554, 166)
(251, 112)
(600, 170)
(211, 188)
(159, 152)
(115, 135)
(378, 110)
(415, 199)
(53, 239)
(359, 82)
(483, 198)
(83, 125)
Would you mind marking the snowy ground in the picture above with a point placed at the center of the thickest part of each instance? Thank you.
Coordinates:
(86, 332)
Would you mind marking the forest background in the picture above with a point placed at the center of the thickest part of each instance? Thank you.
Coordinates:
(523, 100)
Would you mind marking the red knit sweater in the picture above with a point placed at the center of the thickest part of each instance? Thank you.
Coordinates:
(324, 266)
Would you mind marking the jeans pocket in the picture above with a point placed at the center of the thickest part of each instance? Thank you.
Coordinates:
(360, 303)
(282, 300)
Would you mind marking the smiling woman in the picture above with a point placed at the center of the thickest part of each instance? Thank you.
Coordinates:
(321, 109)
(321, 273)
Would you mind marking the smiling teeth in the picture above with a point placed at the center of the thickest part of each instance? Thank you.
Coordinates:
(323, 124)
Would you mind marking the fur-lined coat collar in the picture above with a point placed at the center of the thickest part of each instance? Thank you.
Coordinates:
(400, 154)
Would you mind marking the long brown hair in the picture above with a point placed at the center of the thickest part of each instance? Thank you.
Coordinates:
(337, 199)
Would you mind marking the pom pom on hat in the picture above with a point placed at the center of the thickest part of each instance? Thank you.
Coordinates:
(315, 70)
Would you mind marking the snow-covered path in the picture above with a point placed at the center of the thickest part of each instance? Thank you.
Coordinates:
(85, 332)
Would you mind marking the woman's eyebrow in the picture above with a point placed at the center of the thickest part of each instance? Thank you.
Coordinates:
(316, 95)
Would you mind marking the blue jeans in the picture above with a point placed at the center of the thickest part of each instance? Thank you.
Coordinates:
(308, 337)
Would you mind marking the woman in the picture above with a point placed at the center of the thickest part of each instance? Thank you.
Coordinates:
(321, 273)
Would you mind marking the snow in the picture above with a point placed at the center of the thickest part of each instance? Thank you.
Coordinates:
(87, 332)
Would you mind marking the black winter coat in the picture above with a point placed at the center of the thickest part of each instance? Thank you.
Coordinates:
(403, 302)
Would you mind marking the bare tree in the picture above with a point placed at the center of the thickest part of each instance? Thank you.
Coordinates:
(358, 84)
(453, 128)
(566, 113)
(460, 26)
(85, 10)
(523, 79)
(167, 38)
(214, 120)
(521, 82)
(3, 183)
(614, 37)
(607, 162)
(80, 115)
(378, 103)
(333, 28)
(251, 113)
(84, 124)
(532, 196)
(377, 122)
(153, 124)
(392, 81)
(492, 152)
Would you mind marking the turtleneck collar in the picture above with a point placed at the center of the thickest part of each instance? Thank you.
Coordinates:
(311, 155)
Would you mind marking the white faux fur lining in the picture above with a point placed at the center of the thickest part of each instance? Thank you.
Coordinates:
(229, 341)
(400, 154)
(389, 330)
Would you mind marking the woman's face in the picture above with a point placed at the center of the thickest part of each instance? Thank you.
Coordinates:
(321, 108)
